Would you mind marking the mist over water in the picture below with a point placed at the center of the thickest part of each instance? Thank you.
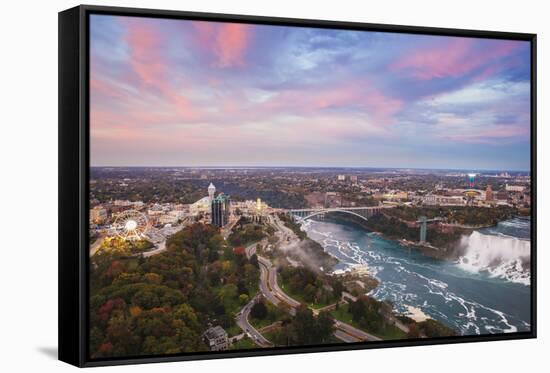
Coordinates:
(486, 291)
(499, 256)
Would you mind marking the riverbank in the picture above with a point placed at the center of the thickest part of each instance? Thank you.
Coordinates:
(442, 245)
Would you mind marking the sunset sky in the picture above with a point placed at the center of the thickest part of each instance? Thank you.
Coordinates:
(187, 93)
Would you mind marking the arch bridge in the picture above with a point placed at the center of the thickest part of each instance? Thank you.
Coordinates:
(361, 212)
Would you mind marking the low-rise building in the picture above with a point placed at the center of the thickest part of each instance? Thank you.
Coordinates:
(201, 206)
(168, 219)
(433, 199)
(396, 196)
(98, 215)
(216, 338)
(178, 214)
(515, 188)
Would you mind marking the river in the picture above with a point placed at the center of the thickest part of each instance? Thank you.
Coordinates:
(486, 291)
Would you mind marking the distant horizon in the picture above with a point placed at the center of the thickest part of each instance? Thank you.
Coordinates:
(322, 167)
(170, 91)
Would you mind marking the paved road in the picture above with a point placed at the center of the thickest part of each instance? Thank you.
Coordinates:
(264, 284)
(345, 337)
(159, 249)
(265, 274)
(96, 245)
(242, 321)
(272, 285)
(226, 231)
(272, 291)
(274, 294)
(354, 332)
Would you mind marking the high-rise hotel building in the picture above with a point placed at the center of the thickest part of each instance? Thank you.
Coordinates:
(220, 210)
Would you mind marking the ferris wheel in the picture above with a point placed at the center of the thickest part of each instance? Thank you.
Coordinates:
(130, 225)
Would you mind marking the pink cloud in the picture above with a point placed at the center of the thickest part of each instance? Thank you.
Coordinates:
(145, 58)
(231, 44)
(100, 87)
(227, 42)
(361, 95)
(459, 57)
(147, 61)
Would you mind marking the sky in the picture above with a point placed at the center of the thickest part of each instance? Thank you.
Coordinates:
(166, 92)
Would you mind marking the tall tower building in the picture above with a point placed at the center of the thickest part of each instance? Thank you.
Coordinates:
(471, 179)
(423, 228)
(259, 204)
(220, 210)
(211, 192)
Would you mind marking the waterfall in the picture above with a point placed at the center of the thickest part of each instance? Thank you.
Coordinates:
(499, 255)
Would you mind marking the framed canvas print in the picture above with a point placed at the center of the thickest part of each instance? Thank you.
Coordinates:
(237, 186)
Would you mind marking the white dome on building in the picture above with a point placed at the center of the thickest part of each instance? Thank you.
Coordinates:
(211, 192)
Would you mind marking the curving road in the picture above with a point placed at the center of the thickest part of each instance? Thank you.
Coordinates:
(269, 287)
(268, 283)
(242, 321)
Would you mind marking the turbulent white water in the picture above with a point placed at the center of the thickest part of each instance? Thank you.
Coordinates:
(483, 293)
(500, 256)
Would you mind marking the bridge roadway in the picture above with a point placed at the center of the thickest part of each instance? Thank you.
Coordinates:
(329, 209)
(363, 212)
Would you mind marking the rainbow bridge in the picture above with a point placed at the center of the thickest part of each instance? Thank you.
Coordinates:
(361, 212)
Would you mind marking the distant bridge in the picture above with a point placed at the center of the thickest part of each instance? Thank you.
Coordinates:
(361, 212)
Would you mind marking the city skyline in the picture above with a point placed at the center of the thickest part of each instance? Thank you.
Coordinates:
(169, 93)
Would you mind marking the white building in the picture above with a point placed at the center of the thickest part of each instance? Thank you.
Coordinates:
(201, 206)
(515, 188)
(211, 192)
(433, 199)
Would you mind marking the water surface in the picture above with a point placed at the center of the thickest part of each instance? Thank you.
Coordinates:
(481, 293)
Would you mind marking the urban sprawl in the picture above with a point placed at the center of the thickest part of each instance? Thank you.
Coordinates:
(194, 259)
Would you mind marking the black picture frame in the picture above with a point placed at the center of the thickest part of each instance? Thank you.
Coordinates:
(74, 177)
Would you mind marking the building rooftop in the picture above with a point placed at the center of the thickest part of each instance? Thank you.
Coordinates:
(215, 332)
(222, 197)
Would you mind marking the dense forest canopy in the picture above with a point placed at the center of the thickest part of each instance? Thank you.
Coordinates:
(162, 304)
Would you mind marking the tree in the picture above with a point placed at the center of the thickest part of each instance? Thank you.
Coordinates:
(186, 313)
(302, 330)
(432, 328)
(243, 299)
(309, 293)
(337, 288)
(251, 275)
(146, 299)
(254, 261)
(152, 278)
(324, 328)
(259, 311)
(227, 295)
